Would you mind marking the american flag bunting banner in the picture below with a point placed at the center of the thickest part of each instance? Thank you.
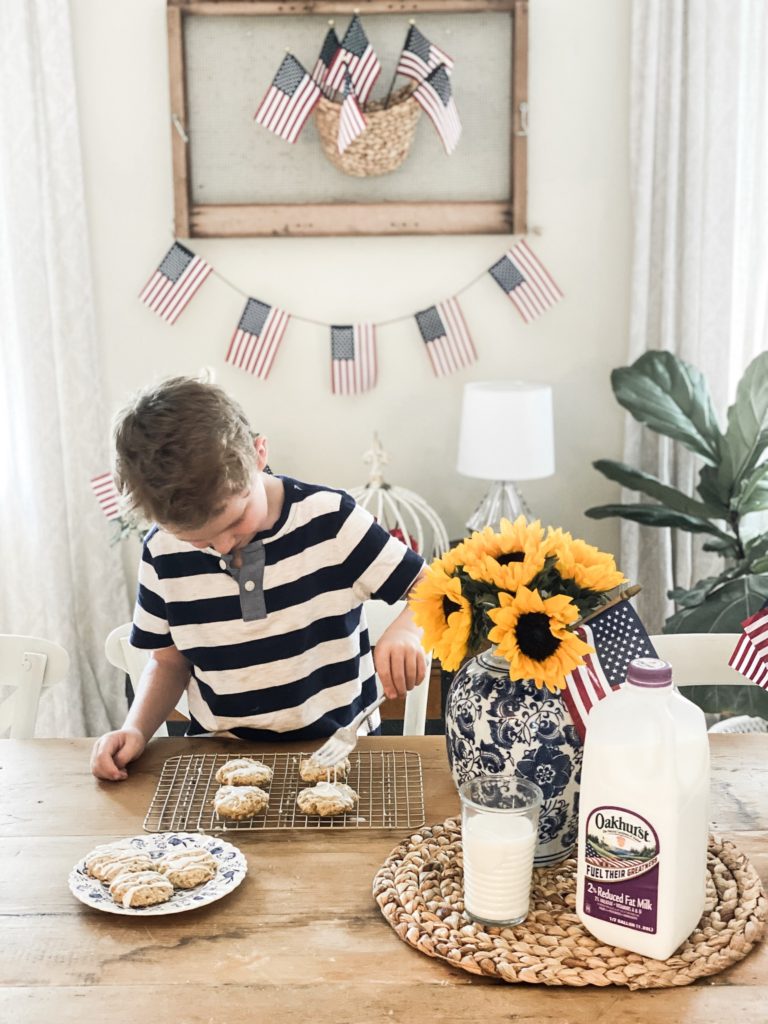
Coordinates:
(435, 95)
(419, 56)
(352, 123)
(356, 53)
(446, 337)
(750, 655)
(104, 488)
(327, 53)
(257, 338)
(353, 358)
(289, 101)
(618, 636)
(526, 281)
(174, 283)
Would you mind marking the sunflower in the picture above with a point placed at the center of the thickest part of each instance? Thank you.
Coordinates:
(583, 563)
(508, 559)
(531, 633)
(445, 615)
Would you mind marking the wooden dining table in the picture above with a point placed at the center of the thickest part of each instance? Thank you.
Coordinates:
(301, 938)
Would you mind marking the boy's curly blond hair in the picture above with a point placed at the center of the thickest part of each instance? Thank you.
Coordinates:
(181, 450)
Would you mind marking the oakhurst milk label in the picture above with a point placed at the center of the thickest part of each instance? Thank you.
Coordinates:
(621, 868)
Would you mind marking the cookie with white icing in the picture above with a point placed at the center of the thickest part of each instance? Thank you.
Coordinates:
(327, 799)
(244, 771)
(140, 889)
(107, 862)
(235, 803)
(186, 868)
(311, 772)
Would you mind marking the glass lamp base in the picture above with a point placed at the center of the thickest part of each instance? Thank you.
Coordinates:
(503, 501)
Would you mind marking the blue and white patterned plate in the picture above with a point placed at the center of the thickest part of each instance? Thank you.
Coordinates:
(232, 870)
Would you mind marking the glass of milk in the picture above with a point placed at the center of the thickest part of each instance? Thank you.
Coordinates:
(499, 823)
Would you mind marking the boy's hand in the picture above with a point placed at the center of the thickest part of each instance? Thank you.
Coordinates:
(114, 750)
(399, 660)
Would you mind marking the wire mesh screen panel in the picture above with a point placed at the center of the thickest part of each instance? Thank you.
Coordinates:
(388, 783)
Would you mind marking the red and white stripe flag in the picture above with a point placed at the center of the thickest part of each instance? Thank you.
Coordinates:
(618, 636)
(104, 488)
(323, 62)
(353, 358)
(526, 281)
(257, 338)
(356, 53)
(174, 283)
(446, 336)
(750, 655)
(289, 101)
(352, 123)
(435, 95)
(419, 56)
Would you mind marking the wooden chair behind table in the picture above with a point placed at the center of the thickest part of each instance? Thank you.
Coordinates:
(132, 660)
(701, 659)
(379, 615)
(28, 664)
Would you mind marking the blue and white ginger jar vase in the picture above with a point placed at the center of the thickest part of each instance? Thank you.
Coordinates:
(494, 726)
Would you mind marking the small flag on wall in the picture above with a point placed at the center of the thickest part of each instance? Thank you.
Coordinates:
(356, 52)
(289, 101)
(526, 281)
(419, 56)
(435, 95)
(257, 338)
(618, 636)
(353, 358)
(351, 120)
(446, 337)
(104, 488)
(327, 53)
(174, 283)
(750, 655)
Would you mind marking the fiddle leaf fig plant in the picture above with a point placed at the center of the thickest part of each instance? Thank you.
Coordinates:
(672, 398)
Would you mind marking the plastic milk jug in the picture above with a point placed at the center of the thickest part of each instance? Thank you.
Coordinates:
(643, 815)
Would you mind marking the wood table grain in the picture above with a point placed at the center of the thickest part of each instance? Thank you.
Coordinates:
(302, 937)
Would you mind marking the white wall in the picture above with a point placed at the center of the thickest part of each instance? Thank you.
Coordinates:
(578, 201)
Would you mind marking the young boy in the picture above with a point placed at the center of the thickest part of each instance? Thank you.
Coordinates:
(250, 585)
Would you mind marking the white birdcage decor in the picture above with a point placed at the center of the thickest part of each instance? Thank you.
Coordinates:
(403, 513)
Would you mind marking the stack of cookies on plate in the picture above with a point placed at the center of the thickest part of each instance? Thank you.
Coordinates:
(134, 879)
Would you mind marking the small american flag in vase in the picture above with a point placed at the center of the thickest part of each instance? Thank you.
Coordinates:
(104, 488)
(356, 54)
(352, 123)
(446, 337)
(289, 101)
(327, 53)
(618, 636)
(353, 358)
(419, 56)
(257, 338)
(174, 283)
(750, 655)
(526, 281)
(435, 95)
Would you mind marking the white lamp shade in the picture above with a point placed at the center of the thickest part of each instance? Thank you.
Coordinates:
(506, 431)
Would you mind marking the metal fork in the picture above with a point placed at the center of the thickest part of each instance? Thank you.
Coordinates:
(344, 740)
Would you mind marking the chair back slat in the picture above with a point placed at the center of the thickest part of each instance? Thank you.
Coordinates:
(28, 664)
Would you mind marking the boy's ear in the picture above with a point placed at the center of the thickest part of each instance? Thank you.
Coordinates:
(261, 446)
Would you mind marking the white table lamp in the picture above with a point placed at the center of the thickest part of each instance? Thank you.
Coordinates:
(506, 435)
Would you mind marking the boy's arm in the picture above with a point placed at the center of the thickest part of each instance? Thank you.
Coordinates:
(398, 657)
(161, 685)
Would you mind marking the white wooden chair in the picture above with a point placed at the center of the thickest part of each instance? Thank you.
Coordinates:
(28, 664)
(701, 659)
(379, 615)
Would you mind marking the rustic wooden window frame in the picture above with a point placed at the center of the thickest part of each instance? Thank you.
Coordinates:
(316, 219)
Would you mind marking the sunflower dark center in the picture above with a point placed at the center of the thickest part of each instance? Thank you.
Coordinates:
(534, 637)
(449, 606)
(512, 556)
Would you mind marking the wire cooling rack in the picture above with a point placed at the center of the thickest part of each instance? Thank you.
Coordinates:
(388, 782)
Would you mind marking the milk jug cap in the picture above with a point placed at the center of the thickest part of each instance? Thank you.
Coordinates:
(649, 672)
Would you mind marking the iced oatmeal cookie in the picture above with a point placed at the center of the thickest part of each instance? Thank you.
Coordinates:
(140, 889)
(185, 868)
(234, 803)
(310, 772)
(107, 862)
(327, 799)
(244, 771)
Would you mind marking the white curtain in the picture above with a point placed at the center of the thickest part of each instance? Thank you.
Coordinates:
(61, 579)
(699, 166)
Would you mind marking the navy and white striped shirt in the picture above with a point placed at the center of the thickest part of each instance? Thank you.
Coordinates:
(280, 645)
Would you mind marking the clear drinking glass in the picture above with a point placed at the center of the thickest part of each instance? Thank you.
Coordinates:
(499, 824)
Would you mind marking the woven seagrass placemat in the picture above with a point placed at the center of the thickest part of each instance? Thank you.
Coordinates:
(419, 889)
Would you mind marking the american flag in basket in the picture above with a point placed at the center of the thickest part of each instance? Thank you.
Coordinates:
(353, 358)
(351, 120)
(446, 337)
(174, 283)
(435, 95)
(257, 338)
(327, 53)
(357, 53)
(289, 101)
(526, 281)
(419, 56)
(618, 636)
(104, 488)
(750, 655)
